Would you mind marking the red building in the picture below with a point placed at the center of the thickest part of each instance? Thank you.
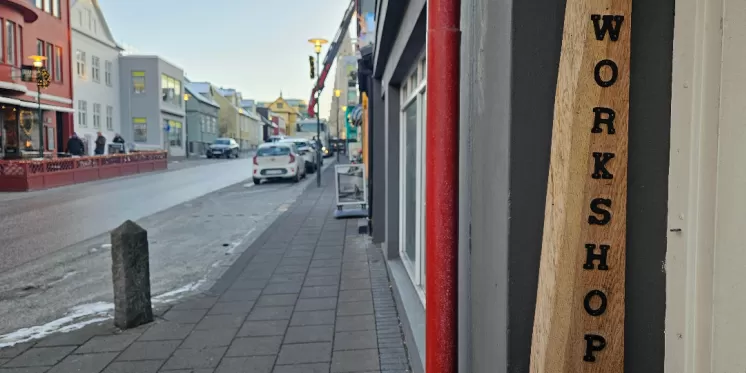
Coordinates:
(34, 27)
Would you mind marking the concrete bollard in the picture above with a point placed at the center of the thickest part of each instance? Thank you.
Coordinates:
(130, 269)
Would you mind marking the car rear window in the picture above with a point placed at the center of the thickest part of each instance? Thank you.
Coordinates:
(272, 151)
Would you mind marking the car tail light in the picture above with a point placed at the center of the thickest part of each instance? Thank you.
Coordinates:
(292, 159)
(255, 161)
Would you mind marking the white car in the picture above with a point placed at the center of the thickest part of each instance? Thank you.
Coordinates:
(278, 161)
(306, 150)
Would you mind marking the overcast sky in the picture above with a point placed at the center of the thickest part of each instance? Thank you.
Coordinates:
(259, 47)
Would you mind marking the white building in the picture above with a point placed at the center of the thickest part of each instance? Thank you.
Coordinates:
(95, 60)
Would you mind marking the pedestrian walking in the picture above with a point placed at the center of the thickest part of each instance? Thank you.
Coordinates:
(75, 145)
(100, 144)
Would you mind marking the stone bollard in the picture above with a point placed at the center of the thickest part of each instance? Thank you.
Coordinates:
(130, 269)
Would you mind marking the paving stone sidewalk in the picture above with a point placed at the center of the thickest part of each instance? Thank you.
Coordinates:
(310, 295)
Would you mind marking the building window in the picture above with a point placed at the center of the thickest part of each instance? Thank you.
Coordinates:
(50, 58)
(171, 89)
(80, 18)
(58, 64)
(48, 6)
(280, 105)
(203, 123)
(10, 43)
(140, 126)
(174, 132)
(82, 114)
(80, 63)
(110, 118)
(40, 48)
(108, 67)
(412, 177)
(56, 8)
(89, 18)
(96, 69)
(138, 82)
(97, 116)
(40, 4)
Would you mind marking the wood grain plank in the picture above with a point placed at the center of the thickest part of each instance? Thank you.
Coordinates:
(579, 319)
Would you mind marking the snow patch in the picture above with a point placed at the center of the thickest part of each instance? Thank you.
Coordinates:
(77, 318)
(234, 245)
(174, 295)
(106, 246)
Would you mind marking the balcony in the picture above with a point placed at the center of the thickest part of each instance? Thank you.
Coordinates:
(25, 7)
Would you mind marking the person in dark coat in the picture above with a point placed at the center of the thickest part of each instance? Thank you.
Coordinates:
(100, 144)
(75, 145)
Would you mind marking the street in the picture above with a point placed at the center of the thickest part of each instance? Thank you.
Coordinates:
(55, 264)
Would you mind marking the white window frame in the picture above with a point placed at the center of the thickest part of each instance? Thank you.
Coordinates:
(82, 113)
(80, 63)
(108, 67)
(97, 116)
(96, 69)
(109, 117)
(414, 89)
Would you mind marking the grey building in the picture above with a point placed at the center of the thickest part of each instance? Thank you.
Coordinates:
(201, 120)
(153, 109)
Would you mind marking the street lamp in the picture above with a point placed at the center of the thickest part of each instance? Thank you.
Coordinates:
(337, 93)
(317, 43)
(186, 129)
(42, 81)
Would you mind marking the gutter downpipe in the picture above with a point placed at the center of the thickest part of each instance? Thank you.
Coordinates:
(441, 194)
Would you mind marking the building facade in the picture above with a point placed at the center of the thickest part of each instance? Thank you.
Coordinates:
(35, 28)
(289, 114)
(506, 97)
(346, 63)
(202, 121)
(152, 101)
(96, 74)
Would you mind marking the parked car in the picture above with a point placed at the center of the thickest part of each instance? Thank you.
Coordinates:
(278, 160)
(276, 138)
(224, 147)
(306, 150)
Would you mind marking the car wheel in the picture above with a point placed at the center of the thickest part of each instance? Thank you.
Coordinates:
(209, 156)
(257, 181)
(297, 177)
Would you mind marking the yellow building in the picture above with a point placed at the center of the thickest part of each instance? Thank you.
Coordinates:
(289, 113)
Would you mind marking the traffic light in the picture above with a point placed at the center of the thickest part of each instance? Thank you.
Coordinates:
(313, 70)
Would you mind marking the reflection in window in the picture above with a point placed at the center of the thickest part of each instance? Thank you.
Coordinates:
(171, 88)
(138, 82)
(174, 132)
(410, 182)
(140, 126)
(10, 43)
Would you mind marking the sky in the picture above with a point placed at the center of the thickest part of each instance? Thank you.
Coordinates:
(259, 47)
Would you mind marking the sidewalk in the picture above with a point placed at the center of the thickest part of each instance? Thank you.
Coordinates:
(309, 295)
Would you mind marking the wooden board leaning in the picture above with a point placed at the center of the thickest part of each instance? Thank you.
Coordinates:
(579, 319)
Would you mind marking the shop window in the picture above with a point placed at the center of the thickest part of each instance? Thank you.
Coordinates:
(174, 132)
(412, 176)
(140, 126)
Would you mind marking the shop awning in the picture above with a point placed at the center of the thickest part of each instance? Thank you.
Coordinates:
(33, 105)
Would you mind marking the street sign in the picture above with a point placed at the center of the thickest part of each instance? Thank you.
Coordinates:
(579, 317)
(27, 73)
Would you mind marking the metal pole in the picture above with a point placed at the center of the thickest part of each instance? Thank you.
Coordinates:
(336, 114)
(41, 122)
(318, 121)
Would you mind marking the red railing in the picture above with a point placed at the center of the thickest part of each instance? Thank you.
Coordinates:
(25, 175)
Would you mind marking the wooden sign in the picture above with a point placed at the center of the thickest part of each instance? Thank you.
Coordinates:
(579, 320)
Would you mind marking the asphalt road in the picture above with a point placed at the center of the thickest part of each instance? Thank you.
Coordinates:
(55, 260)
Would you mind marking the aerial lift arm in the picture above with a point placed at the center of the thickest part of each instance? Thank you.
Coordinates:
(331, 54)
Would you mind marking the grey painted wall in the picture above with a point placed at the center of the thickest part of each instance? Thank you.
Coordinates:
(511, 60)
(142, 105)
(195, 110)
(378, 162)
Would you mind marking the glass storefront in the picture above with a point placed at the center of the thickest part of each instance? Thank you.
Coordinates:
(20, 132)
